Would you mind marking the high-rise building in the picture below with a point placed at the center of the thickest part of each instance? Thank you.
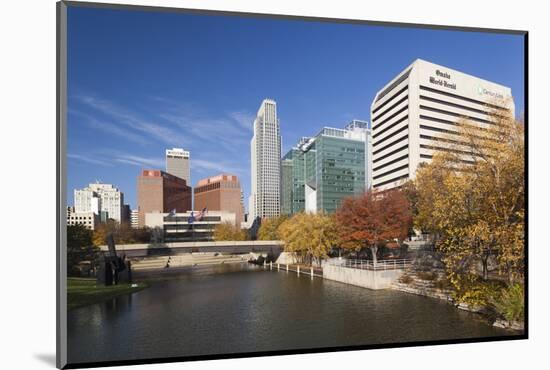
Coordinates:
(265, 148)
(126, 213)
(242, 206)
(134, 219)
(363, 126)
(100, 199)
(158, 191)
(418, 108)
(286, 186)
(324, 169)
(178, 164)
(220, 193)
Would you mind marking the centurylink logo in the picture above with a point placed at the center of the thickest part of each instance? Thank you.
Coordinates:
(484, 91)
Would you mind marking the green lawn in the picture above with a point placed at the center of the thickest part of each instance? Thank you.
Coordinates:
(83, 291)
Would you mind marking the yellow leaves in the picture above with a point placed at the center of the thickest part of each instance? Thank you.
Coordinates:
(477, 207)
(229, 231)
(310, 234)
(269, 228)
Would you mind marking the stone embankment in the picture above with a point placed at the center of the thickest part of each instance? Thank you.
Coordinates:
(432, 284)
(514, 325)
(412, 282)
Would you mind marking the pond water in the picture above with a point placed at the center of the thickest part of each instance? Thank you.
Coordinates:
(243, 308)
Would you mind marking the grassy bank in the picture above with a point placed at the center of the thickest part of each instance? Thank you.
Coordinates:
(83, 291)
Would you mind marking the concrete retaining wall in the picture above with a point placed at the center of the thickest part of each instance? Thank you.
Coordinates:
(259, 246)
(287, 258)
(363, 278)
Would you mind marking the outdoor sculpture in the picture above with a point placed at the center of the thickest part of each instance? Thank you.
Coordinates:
(112, 268)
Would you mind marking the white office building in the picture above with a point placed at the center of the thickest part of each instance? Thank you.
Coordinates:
(98, 198)
(178, 228)
(134, 218)
(420, 105)
(88, 219)
(265, 148)
(178, 164)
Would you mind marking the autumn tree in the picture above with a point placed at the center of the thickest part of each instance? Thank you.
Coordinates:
(229, 231)
(373, 219)
(80, 247)
(123, 233)
(270, 226)
(310, 236)
(411, 193)
(472, 197)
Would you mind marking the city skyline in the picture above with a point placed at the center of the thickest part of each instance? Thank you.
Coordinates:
(186, 98)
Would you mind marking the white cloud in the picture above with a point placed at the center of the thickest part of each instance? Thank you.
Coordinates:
(91, 160)
(134, 121)
(218, 166)
(244, 119)
(140, 161)
(218, 144)
(216, 132)
(111, 128)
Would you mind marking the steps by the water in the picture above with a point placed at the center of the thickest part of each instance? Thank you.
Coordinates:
(415, 282)
(149, 263)
(184, 260)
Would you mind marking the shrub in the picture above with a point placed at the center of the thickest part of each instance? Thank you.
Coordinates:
(442, 284)
(426, 275)
(405, 279)
(509, 303)
(476, 292)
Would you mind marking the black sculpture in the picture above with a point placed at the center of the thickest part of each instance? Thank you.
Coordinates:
(111, 266)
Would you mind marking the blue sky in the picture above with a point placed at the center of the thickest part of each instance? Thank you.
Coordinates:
(141, 82)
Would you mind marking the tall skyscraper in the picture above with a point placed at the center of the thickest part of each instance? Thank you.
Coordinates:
(418, 108)
(220, 193)
(265, 148)
(160, 192)
(178, 164)
(322, 170)
(100, 198)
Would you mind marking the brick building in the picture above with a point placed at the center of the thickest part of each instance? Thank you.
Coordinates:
(158, 191)
(220, 193)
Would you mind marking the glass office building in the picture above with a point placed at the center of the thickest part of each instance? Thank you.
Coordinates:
(329, 167)
(286, 186)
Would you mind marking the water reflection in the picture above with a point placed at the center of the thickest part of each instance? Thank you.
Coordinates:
(243, 308)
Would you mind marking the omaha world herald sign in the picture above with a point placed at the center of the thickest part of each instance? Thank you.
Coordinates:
(442, 79)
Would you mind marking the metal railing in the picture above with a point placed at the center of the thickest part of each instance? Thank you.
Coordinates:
(380, 265)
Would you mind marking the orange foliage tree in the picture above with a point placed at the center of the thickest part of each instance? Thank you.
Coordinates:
(373, 219)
